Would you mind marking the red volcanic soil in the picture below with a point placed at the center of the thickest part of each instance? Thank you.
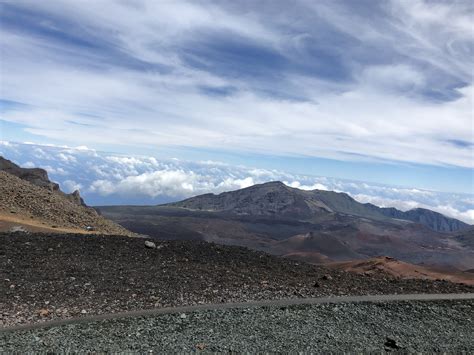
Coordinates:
(400, 269)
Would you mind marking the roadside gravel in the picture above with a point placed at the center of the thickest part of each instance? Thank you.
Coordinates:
(428, 326)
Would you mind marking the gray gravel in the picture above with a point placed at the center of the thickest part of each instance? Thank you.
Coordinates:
(405, 326)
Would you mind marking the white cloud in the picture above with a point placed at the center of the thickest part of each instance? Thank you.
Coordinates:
(69, 186)
(67, 158)
(172, 183)
(298, 185)
(7, 144)
(378, 113)
(53, 170)
(39, 153)
(84, 148)
(169, 183)
(28, 164)
(142, 179)
(397, 77)
(234, 184)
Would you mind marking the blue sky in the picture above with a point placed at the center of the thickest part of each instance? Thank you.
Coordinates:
(365, 90)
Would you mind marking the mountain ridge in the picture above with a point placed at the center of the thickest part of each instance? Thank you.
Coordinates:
(38, 177)
(436, 220)
(277, 199)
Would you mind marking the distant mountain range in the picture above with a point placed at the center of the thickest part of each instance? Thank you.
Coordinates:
(315, 226)
(277, 199)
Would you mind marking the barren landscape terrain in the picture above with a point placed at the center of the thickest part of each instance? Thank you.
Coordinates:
(48, 276)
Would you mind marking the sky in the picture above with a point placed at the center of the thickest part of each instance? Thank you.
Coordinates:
(374, 91)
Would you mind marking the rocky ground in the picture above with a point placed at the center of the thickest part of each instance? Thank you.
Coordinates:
(407, 327)
(46, 277)
(24, 200)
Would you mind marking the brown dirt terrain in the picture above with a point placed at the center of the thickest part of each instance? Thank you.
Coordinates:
(13, 222)
(52, 276)
(40, 208)
(400, 269)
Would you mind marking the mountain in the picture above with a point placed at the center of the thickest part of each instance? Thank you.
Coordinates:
(433, 220)
(270, 199)
(30, 201)
(277, 199)
(314, 226)
(38, 177)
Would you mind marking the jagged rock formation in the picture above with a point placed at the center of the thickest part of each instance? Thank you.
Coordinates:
(38, 177)
(35, 204)
(76, 198)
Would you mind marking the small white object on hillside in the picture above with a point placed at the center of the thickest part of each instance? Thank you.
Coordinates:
(150, 245)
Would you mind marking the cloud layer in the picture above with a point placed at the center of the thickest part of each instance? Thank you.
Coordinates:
(387, 80)
(105, 178)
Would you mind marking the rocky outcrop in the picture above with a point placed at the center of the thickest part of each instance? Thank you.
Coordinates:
(76, 198)
(38, 177)
(21, 198)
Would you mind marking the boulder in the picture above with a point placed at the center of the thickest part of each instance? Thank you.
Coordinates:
(150, 245)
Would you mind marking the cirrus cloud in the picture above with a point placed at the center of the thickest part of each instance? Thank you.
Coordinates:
(340, 80)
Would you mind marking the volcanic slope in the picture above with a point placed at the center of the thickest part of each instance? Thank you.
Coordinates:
(26, 206)
(38, 177)
(51, 276)
(277, 199)
(317, 226)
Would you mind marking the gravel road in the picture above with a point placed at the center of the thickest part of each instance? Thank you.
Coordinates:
(406, 326)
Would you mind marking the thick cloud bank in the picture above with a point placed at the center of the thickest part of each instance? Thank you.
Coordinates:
(105, 178)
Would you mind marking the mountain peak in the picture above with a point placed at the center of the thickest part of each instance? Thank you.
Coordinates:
(272, 183)
(272, 198)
